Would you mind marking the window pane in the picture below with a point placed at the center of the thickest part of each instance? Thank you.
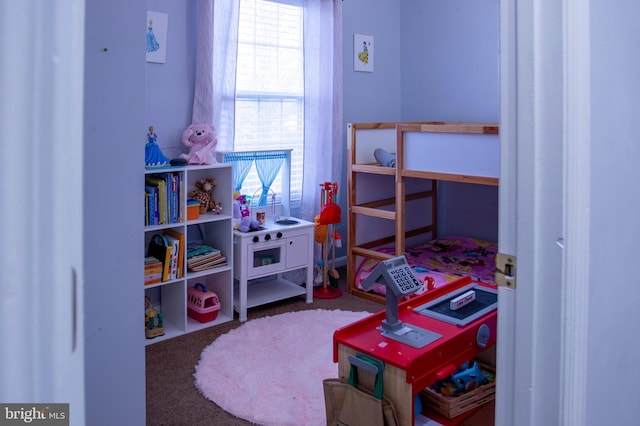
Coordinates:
(270, 86)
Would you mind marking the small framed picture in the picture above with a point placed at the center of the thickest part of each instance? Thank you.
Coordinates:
(362, 53)
(157, 37)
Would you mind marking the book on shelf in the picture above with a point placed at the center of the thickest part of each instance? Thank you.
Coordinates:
(166, 195)
(175, 254)
(196, 248)
(152, 205)
(160, 248)
(161, 190)
(204, 258)
(213, 263)
(166, 265)
(207, 262)
(152, 270)
(153, 279)
(176, 212)
(146, 209)
(152, 264)
(172, 233)
(201, 256)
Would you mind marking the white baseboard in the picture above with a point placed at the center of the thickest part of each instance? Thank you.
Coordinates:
(340, 261)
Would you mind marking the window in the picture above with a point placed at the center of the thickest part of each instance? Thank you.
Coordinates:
(270, 87)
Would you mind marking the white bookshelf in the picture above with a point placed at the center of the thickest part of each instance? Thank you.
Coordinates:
(170, 297)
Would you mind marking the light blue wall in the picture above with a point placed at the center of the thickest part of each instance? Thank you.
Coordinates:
(449, 72)
(376, 96)
(114, 91)
(434, 60)
(449, 68)
(170, 85)
(369, 97)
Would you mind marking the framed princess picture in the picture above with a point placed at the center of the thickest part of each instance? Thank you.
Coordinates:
(362, 53)
(157, 37)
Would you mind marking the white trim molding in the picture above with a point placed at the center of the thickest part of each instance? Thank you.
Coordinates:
(577, 143)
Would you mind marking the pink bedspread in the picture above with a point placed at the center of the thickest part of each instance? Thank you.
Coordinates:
(441, 261)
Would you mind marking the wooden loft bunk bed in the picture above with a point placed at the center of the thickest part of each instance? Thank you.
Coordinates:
(393, 210)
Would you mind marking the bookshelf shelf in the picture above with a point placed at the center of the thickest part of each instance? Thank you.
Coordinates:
(169, 296)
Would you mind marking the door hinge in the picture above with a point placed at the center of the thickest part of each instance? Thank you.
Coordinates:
(506, 270)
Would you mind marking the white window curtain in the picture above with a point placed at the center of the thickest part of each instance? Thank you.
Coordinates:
(215, 81)
(215, 86)
(322, 100)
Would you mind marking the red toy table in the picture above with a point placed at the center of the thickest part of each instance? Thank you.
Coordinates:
(408, 370)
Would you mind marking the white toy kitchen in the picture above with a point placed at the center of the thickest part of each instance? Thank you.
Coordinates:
(260, 258)
(264, 258)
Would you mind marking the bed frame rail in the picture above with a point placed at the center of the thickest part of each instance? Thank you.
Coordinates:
(362, 139)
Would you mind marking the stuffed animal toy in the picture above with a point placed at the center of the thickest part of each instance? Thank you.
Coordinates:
(246, 224)
(201, 140)
(204, 194)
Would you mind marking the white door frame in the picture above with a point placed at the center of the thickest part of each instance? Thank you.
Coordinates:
(545, 104)
(41, 116)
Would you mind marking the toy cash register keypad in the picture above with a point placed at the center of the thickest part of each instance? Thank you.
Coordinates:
(404, 278)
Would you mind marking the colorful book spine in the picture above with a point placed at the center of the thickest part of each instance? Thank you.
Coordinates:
(146, 209)
(181, 249)
(152, 197)
(175, 250)
(166, 264)
(159, 182)
(152, 270)
(160, 248)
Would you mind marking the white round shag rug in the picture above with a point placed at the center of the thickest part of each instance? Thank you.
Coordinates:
(270, 370)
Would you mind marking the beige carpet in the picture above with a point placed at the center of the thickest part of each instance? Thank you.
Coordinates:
(172, 398)
(278, 365)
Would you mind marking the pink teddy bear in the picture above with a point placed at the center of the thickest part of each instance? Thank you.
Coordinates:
(201, 140)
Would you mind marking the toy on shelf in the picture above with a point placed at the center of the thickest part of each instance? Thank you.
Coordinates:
(153, 322)
(202, 304)
(153, 156)
(203, 194)
(201, 141)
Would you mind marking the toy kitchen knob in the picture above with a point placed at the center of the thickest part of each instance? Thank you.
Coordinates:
(279, 235)
(482, 336)
(256, 239)
(267, 237)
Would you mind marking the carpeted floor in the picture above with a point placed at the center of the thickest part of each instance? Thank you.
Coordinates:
(172, 398)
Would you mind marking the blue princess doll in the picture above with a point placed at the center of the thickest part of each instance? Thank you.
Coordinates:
(153, 156)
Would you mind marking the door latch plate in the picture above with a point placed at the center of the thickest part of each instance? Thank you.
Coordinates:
(506, 270)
